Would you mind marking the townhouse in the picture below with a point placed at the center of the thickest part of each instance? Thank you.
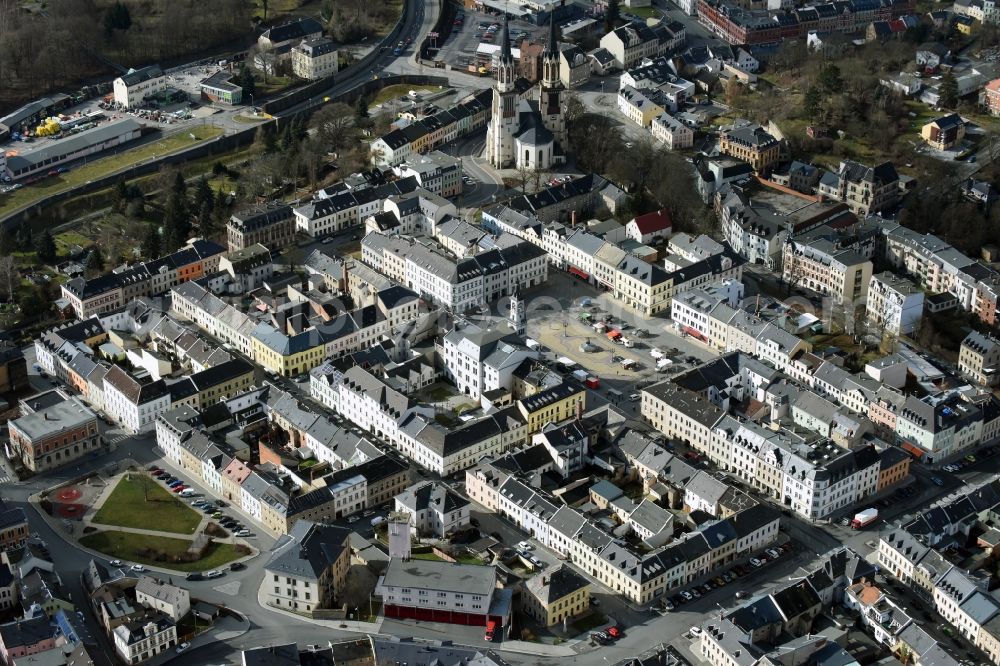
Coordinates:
(435, 172)
(866, 190)
(114, 290)
(310, 571)
(895, 306)
(937, 427)
(271, 225)
(466, 117)
(478, 360)
(457, 284)
(937, 267)
(979, 358)
(816, 263)
(671, 132)
(434, 508)
(629, 45)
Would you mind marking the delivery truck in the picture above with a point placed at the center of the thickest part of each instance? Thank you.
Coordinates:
(864, 518)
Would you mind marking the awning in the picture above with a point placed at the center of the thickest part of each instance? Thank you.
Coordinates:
(577, 272)
(693, 332)
(912, 450)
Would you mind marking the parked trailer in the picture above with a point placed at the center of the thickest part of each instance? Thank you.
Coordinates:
(864, 518)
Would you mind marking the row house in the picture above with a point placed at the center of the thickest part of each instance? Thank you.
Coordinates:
(424, 135)
(114, 290)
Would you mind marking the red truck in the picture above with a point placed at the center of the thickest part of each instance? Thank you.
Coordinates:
(491, 630)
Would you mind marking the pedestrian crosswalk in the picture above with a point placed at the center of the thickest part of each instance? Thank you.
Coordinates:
(115, 439)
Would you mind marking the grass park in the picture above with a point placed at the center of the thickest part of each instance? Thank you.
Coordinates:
(101, 167)
(126, 546)
(139, 502)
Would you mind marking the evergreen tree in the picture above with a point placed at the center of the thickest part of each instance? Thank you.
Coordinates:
(829, 79)
(180, 186)
(206, 219)
(151, 243)
(220, 209)
(611, 15)
(812, 101)
(247, 82)
(45, 247)
(176, 225)
(119, 197)
(948, 91)
(202, 193)
(361, 107)
(286, 137)
(95, 261)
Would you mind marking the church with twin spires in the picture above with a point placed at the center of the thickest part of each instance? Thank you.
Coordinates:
(527, 133)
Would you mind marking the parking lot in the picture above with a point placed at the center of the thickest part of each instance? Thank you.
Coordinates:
(554, 320)
(459, 50)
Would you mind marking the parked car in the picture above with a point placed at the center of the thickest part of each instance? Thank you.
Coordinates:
(183, 646)
(696, 593)
(194, 576)
(757, 563)
(937, 480)
(137, 568)
(686, 595)
(615, 632)
(220, 504)
(237, 566)
(116, 563)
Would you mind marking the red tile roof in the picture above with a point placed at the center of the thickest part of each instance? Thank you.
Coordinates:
(653, 222)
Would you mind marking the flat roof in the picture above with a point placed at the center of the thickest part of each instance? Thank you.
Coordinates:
(73, 144)
(63, 416)
(443, 576)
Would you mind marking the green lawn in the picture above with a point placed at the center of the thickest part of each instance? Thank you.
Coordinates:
(124, 545)
(425, 556)
(142, 502)
(30, 194)
(644, 12)
(391, 92)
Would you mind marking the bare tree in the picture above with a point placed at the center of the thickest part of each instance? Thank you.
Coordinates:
(8, 275)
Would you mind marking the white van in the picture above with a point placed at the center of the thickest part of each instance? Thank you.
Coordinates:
(187, 492)
(378, 520)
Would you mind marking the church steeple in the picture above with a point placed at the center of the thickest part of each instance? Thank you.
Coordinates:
(550, 59)
(553, 45)
(505, 65)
